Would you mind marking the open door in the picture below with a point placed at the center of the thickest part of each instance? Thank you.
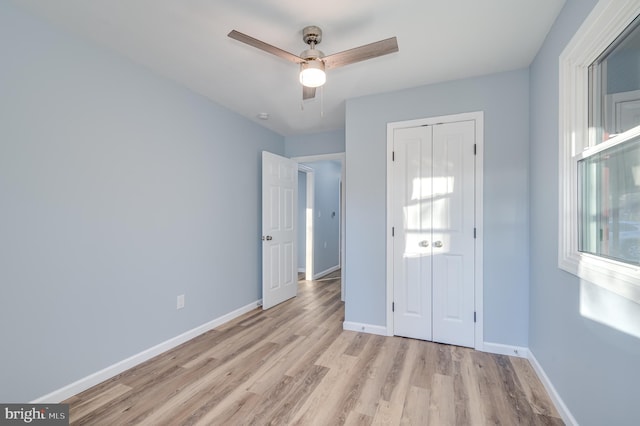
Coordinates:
(279, 229)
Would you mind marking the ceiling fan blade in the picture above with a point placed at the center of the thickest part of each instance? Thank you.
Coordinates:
(362, 53)
(308, 93)
(236, 35)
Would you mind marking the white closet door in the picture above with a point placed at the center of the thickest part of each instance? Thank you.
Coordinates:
(433, 212)
(412, 205)
(453, 239)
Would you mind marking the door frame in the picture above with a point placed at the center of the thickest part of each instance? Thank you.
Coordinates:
(330, 157)
(478, 117)
(309, 207)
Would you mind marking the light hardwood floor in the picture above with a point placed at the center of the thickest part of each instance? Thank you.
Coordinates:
(293, 364)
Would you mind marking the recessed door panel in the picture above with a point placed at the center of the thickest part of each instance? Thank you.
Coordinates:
(289, 209)
(290, 277)
(274, 267)
(274, 206)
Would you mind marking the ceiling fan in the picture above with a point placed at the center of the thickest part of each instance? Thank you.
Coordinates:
(313, 63)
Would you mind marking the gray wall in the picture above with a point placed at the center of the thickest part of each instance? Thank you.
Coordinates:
(326, 228)
(576, 329)
(315, 143)
(119, 191)
(504, 98)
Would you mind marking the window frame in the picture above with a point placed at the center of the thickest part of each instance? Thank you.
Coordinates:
(607, 21)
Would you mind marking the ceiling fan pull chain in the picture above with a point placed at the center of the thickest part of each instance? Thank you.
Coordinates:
(321, 101)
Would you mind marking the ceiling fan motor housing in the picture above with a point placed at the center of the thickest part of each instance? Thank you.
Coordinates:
(312, 34)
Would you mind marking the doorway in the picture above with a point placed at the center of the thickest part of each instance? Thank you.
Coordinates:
(434, 204)
(316, 216)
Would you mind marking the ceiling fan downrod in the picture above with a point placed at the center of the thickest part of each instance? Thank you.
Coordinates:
(312, 35)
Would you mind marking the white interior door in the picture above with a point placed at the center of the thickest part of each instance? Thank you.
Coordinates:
(453, 233)
(434, 216)
(279, 200)
(412, 235)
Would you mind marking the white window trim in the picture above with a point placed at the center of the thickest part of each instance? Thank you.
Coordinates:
(607, 20)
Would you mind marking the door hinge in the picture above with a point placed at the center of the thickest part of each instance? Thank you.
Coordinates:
(474, 232)
(393, 306)
(393, 231)
(475, 149)
(474, 317)
(393, 156)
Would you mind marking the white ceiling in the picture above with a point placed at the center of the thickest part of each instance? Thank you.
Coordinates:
(186, 40)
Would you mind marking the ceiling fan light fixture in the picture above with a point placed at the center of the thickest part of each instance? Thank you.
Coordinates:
(312, 73)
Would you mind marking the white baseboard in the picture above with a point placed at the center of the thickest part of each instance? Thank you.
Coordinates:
(500, 349)
(117, 368)
(365, 328)
(563, 410)
(326, 272)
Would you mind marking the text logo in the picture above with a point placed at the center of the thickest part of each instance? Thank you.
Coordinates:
(34, 414)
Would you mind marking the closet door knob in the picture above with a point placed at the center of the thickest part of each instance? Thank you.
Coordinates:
(424, 243)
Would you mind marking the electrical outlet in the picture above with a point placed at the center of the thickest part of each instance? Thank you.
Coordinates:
(180, 302)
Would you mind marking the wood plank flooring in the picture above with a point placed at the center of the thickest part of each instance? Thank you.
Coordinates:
(293, 364)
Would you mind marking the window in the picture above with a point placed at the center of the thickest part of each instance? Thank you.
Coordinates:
(614, 87)
(609, 205)
(609, 179)
(599, 218)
